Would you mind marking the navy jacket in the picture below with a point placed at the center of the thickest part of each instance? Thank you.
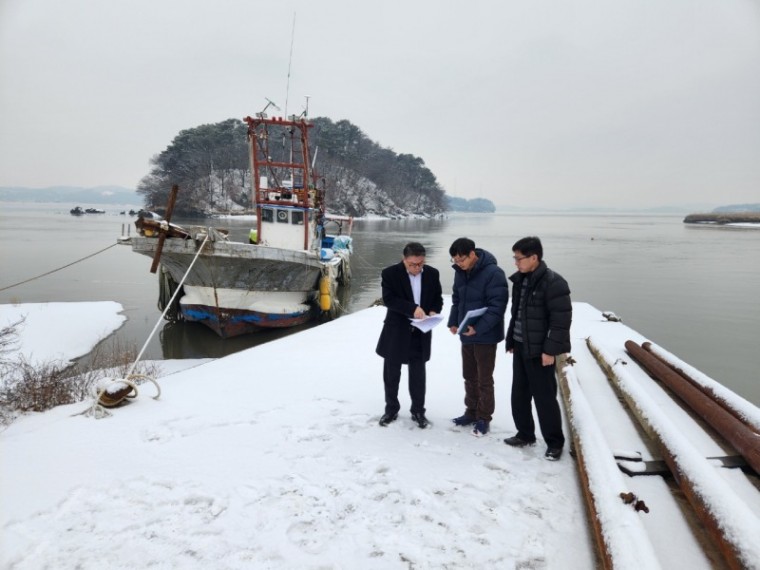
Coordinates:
(547, 314)
(485, 285)
(396, 336)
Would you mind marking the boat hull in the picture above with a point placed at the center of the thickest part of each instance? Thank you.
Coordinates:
(235, 265)
(236, 288)
(233, 312)
(228, 323)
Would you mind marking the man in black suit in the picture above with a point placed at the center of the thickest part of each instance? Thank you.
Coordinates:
(411, 290)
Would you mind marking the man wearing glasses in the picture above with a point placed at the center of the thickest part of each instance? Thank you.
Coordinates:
(479, 283)
(411, 290)
(539, 331)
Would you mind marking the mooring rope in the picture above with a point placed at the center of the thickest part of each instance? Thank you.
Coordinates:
(97, 410)
(176, 292)
(64, 267)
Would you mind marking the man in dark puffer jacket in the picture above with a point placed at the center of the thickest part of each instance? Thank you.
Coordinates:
(539, 331)
(479, 283)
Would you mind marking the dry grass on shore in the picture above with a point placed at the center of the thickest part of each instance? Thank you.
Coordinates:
(38, 386)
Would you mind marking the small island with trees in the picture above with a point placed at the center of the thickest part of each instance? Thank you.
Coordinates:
(211, 165)
(473, 205)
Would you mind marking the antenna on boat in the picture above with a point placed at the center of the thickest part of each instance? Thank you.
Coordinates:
(290, 61)
(305, 113)
(262, 114)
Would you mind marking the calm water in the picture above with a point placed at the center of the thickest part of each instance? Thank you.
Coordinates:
(693, 290)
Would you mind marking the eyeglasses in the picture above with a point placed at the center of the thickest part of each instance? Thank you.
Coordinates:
(459, 260)
(420, 264)
(519, 259)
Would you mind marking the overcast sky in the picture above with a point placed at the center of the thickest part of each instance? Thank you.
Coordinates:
(564, 102)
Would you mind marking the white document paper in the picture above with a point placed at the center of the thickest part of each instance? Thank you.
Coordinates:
(474, 313)
(427, 323)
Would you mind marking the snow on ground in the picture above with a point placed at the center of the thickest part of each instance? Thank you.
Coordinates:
(62, 332)
(272, 458)
(59, 332)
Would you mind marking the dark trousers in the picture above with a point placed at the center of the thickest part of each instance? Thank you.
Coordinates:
(392, 379)
(531, 380)
(478, 361)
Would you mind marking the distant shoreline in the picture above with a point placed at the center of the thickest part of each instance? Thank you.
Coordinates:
(723, 218)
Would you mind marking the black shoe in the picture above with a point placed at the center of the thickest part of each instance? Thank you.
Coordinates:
(464, 420)
(385, 419)
(420, 420)
(517, 441)
(553, 453)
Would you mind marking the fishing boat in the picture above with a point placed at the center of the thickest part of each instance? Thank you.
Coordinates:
(289, 270)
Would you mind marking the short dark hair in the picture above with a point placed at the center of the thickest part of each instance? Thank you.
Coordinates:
(414, 248)
(461, 246)
(528, 246)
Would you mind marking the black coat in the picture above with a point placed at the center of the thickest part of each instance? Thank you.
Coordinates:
(547, 314)
(396, 336)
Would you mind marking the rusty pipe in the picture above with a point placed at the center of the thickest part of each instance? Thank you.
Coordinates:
(736, 432)
(596, 525)
(707, 390)
(689, 484)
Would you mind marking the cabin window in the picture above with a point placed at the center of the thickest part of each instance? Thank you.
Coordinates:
(296, 218)
(267, 214)
(282, 216)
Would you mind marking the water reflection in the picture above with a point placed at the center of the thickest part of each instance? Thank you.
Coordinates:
(194, 340)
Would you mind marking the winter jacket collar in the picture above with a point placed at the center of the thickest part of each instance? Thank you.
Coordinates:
(485, 258)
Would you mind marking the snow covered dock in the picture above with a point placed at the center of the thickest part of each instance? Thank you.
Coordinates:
(272, 458)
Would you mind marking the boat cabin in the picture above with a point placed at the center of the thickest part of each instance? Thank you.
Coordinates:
(289, 206)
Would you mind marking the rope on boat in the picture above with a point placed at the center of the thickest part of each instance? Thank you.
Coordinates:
(121, 388)
(367, 264)
(54, 270)
(167, 287)
(344, 272)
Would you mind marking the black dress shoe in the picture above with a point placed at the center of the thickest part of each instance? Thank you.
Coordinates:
(553, 453)
(517, 441)
(421, 420)
(385, 419)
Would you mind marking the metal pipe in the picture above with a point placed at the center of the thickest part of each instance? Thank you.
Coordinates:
(600, 479)
(602, 550)
(706, 390)
(690, 484)
(736, 432)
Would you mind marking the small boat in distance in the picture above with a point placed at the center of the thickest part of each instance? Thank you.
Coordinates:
(78, 211)
(289, 270)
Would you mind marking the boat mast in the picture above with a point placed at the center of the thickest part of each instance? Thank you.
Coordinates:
(255, 181)
(275, 192)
